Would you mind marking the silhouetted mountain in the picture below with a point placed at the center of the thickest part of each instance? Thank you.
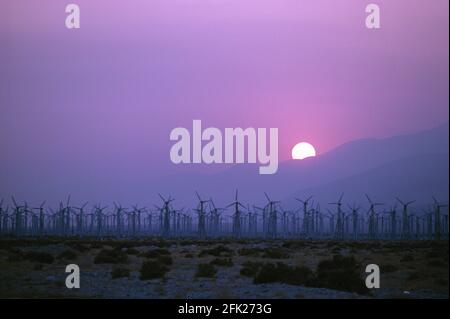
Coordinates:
(411, 178)
(414, 166)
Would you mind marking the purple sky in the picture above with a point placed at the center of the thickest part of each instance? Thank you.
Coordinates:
(104, 98)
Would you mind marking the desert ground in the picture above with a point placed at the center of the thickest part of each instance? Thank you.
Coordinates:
(221, 268)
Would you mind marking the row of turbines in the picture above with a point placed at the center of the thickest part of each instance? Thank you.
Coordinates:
(309, 220)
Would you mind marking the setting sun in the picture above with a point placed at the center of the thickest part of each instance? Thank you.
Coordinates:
(303, 150)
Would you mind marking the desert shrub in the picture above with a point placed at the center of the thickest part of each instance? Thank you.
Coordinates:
(273, 253)
(13, 250)
(131, 251)
(38, 267)
(120, 272)
(433, 254)
(78, 247)
(283, 273)
(387, 268)
(218, 251)
(68, 255)
(337, 262)
(250, 268)
(162, 251)
(336, 250)
(162, 243)
(250, 251)
(152, 269)
(441, 282)
(332, 243)
(39, 257)
(188, 242)
(96, 245)
(161, 255)
(341, 279)
(166, 260)
(296, 244)
(155, 253)
(119, 244)
(407, 258)
(340, 273)
(222, 262)
(111, 256)
(437, 263)
(206, 270)
(414, 275)
(15, 257)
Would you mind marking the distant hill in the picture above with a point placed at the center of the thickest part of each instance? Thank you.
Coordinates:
(413, 165)
(411, 178)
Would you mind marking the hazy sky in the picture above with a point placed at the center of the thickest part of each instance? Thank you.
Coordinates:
(102, 100)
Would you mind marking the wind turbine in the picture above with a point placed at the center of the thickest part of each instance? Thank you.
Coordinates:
(354, 210)
(41, 218)
(118, 217)
(405, 218)
(437, 218)
(98, 209)
(4, 218)
(176, 213)
(272, 226)
(18, 210)
(237, 215)
(1, 216)
(165, 210)
(66, 216)
(305, 214)
(201, 215)
(331, 224)
(263, 216)
(216, 212)
(339, 223)
(372, 217)
(393, 222)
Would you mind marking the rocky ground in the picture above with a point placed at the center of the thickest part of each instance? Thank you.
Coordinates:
(35, 268)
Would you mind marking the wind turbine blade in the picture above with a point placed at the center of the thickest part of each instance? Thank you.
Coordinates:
(212, 203)
(14, 201)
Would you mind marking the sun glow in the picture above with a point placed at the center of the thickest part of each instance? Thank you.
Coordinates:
(303, 150)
